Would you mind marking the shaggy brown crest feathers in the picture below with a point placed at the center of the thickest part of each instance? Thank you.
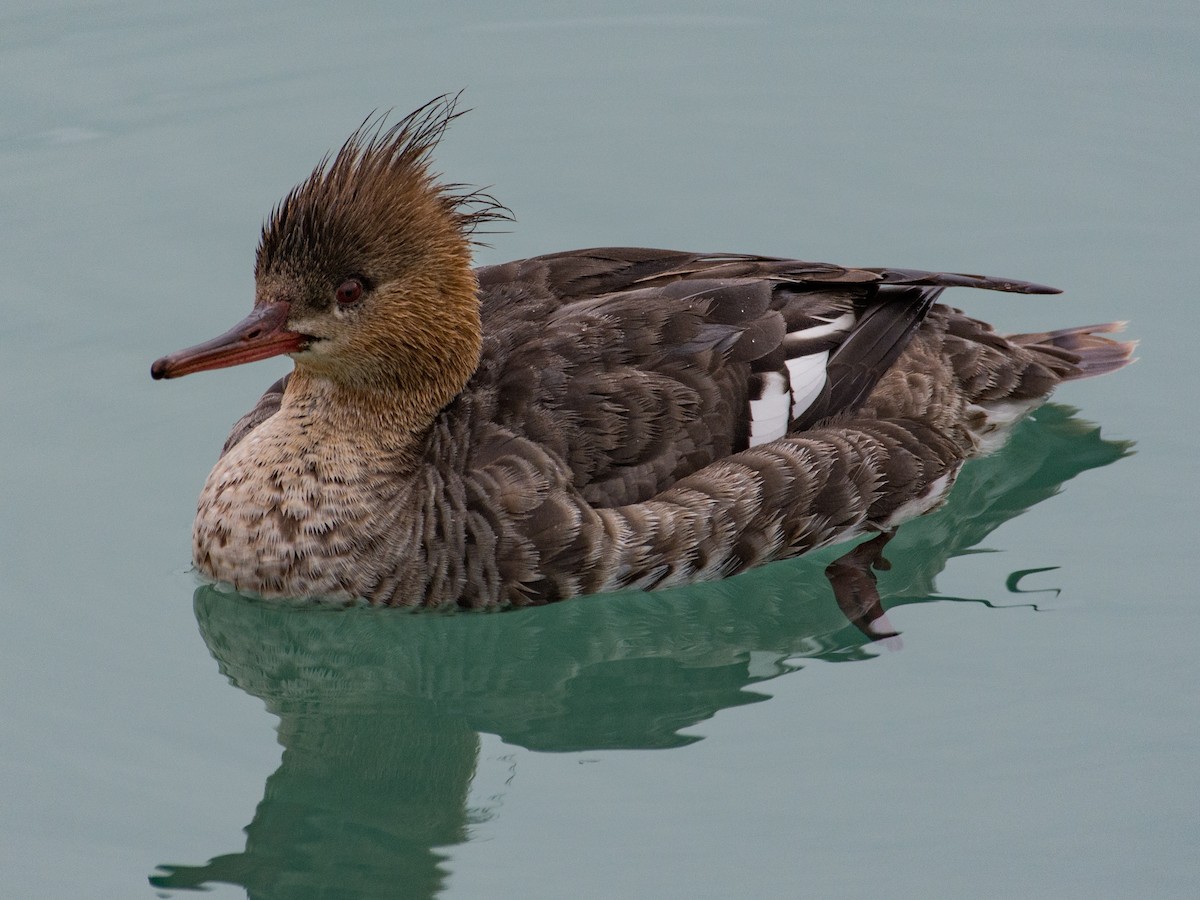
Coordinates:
(379, 174)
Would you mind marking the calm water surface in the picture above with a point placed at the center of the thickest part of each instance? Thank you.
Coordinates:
(1032, 733)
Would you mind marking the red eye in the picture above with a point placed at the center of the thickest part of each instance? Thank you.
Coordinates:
(349, 291)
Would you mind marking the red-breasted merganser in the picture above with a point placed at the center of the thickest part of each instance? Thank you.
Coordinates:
(584, 421)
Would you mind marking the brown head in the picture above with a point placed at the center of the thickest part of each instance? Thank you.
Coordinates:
(363, 274)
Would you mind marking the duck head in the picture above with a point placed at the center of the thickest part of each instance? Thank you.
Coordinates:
(363, 273)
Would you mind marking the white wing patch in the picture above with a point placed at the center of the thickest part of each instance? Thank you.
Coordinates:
(786, 394)
(843, 322)
(807, 375)
(769, 414)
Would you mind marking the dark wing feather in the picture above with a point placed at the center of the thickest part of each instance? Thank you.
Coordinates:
(880, 335)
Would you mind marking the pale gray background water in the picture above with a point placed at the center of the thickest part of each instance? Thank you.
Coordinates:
(1002, 752)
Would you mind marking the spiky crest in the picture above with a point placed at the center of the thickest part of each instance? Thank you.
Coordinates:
(381, 174)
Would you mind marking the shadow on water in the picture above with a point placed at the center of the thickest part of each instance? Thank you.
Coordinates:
(380, 711)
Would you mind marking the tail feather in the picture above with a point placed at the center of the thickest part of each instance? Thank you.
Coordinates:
(1083, 349)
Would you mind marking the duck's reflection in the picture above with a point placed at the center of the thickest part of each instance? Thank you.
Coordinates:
(380, 710)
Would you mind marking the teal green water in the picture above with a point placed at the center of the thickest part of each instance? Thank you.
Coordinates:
(1033, 732)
